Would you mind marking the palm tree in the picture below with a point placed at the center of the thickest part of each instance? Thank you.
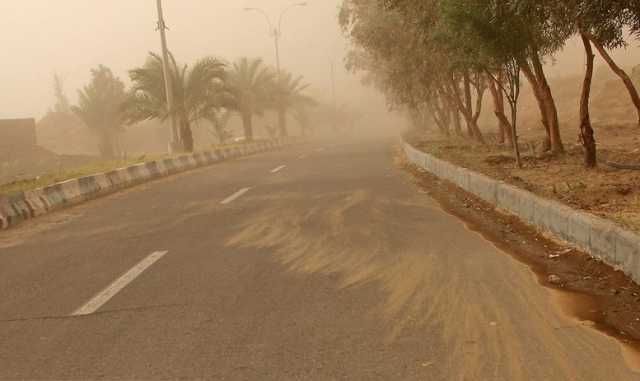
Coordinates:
(100, 108)
(301, 114)
(288, 92)
(249, 82)
(197, 92)
(219, 125)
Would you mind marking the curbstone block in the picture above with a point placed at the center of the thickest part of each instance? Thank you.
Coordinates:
(37, 202)
(70, 190)
(579, 230)
(628, 253)
(552, 216)
(484, 187)
(103, 182)
(32, 203)
(601, 238)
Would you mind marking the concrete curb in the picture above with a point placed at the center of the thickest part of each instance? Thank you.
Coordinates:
(22, 206)
(601, 238)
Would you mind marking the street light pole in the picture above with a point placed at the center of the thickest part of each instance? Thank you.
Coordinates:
(276, 38)
(277, 33)
(277, 30)
(174, 144)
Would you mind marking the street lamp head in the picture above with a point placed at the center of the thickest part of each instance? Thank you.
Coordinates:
(302, 4)
(249, 9)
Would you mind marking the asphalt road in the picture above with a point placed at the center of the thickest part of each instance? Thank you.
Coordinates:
(319, 262)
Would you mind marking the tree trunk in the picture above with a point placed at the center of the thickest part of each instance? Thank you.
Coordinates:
(468, 114)
(443, 116)
(282, 121)
(549, 105)
(455, 113)
(514, 132)
(628, 83)
(504, 126)
(531, 78)
(247, 125)
(480, 90)
(186, 135)
(586, 132)
(105, 145)
(436, 115)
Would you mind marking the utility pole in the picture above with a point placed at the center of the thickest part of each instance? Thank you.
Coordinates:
(175, 142)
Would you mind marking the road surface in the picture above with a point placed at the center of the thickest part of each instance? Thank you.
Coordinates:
(318, 262)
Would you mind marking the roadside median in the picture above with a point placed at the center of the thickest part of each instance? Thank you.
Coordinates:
(600, 238)
(18, 207)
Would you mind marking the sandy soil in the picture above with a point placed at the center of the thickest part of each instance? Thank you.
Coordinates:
(591, 291)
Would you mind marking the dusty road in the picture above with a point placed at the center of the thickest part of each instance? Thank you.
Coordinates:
(320, 262)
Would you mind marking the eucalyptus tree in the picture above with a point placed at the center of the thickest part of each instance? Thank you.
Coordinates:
(478, 29)
(603, 23)
(396, 56)
(100, 108)
(520, 31)
(198, 91)
(249, 81)
(597, 23)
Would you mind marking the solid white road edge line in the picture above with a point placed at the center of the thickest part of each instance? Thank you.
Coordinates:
(235, 195)
(105, 295)
(278, 169)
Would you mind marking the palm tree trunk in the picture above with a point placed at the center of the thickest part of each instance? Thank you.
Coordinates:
(105, 145)
(247, 125)
(282, 121)
(186, 135)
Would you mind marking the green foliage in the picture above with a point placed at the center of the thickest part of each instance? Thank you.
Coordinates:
(100, 102)
(219, 125)
(249, 82)
(62, 104)
(196, 90)
(288, 91)
(100, 108)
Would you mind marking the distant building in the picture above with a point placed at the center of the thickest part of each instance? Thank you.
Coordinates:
(16, 135)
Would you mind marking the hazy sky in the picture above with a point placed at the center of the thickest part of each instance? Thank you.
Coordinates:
(40, 37)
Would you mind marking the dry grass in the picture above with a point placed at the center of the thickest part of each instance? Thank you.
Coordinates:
(604, 191)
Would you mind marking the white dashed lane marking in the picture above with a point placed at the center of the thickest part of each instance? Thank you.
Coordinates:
(105, 295)
(235, 196)
(280, 168)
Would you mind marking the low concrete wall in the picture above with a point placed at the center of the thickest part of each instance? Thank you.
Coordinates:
(29, 204)
(599, 237)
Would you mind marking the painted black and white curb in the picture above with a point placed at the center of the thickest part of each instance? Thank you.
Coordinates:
(600, 238)
(29, 204)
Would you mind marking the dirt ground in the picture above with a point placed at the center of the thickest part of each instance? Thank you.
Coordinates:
(36, 161)
(605, 191)
(598, 295)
